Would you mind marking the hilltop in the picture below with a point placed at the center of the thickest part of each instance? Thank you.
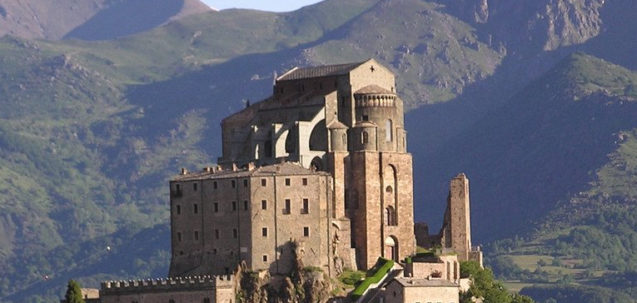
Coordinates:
(89, 19)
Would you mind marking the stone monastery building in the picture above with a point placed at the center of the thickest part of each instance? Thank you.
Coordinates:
(319, 171)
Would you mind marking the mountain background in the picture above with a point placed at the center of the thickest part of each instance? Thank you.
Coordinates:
(536, 100)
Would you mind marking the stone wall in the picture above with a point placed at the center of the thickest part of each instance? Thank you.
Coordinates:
(219, 289)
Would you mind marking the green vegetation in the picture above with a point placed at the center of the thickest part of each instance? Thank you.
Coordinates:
(73, 293)
(485, 286)
(350, 277)
(374, 275)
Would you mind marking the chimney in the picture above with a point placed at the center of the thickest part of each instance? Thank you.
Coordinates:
(251, 166)
(184, 171)
(234, 166)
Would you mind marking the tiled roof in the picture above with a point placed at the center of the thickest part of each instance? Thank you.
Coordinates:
(319, 71)
(373, 89)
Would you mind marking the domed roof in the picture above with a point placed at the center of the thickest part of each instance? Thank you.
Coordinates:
(373, 90)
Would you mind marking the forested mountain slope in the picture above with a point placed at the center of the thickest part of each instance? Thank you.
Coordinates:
(91, 131)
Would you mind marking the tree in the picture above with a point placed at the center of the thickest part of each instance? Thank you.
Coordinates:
(486, 287)
(73, 293)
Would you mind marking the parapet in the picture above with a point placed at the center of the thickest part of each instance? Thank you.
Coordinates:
(166, 285)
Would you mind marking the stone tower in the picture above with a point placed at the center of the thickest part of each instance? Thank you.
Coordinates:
(456, 229)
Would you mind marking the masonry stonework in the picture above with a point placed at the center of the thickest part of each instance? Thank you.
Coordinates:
(317, 175)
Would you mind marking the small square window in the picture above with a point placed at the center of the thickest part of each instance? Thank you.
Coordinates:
(245, 205)
(194, 186)
(265, 258)
(234, 205)
(216, 207)
(263, 182)
(196, 235)
(235, 233)
(214, 251)
(214, 185)
(306, 231)
(234, 183)
(365, 118)
(195, 208)
(245, 183)
(264, 204)
(287, 181)
(304, 181)
(179, 237)
(179, 209)
(264, 231)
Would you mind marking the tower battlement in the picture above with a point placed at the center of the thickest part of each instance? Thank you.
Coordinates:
(168, 284)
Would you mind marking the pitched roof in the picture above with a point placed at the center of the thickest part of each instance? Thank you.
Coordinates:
(373, 89)
(319, 71)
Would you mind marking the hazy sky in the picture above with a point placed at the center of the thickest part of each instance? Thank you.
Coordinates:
(264, 5)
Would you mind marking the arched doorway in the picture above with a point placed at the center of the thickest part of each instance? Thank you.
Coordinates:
(391, 248)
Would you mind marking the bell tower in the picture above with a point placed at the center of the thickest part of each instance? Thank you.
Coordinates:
(379, 197)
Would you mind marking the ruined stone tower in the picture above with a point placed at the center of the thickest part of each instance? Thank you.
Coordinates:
(456, 230)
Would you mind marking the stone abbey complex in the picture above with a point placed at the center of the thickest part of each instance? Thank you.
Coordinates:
(317, 174)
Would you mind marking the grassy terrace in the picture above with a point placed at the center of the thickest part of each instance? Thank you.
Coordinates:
(374, 275)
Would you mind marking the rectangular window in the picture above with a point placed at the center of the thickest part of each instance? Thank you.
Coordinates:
(245, 183)
(179, 237)
(365, 118)
(216, 234)
(235, 233)
(306, 206)
(264, 231)
(216, 207)
(306, 231)
(265, 258)
(194, 186)
(214, 185)
(196, 235)
(195, 208)
(245, 205)
(234, 183)
(179, 209)
(263, 182)
(287, 181)
(214, 251)
(304, 181)
(234, 205)
(286, 210)
(264, 204)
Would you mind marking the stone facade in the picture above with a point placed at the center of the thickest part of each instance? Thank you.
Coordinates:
(412, 290)
(265, 216)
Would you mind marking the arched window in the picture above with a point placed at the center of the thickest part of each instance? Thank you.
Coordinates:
(365, 137)
(390, 216)
(389, 130)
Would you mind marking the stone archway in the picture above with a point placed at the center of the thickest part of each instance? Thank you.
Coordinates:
(391, 248)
